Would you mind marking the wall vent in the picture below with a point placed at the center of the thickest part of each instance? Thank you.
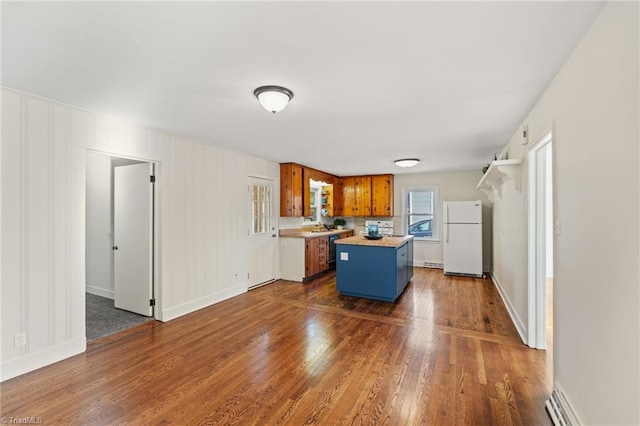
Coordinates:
(560, 410)
(434, 265)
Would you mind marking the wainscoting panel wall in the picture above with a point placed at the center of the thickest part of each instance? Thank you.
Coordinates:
(201, 212)
(42, 234)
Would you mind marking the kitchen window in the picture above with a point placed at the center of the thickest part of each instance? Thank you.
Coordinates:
(314, 208)
(421, 209)
(317, 201)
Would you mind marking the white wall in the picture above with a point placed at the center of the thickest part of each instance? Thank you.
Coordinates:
(43, 183)
(453, 186)
(201, 210)
(98, 238)
(592, 107)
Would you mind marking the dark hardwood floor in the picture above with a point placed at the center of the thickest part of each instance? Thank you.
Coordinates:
(446, 353)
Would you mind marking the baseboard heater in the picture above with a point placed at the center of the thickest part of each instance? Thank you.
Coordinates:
(560, 410)
(461, 274)
(253, 287)
(436, 265)
(433, 265)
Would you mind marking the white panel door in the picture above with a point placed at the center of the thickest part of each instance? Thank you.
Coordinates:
(262, 241)
(463, 249)
(133, 238)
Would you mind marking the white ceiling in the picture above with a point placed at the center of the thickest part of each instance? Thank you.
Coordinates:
(446, 82)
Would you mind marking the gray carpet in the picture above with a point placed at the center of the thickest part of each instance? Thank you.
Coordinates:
(104, 319)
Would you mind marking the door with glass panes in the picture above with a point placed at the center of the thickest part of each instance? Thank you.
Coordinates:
(262, 232)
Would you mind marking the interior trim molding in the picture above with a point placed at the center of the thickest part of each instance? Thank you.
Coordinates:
(39, 359)
(202, 302)
(536, 201)
(515, 318)
(103, 292)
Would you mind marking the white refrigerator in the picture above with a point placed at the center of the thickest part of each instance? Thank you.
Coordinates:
(463, 238)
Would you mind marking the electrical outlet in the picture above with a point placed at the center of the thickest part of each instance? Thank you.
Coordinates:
(19, 340)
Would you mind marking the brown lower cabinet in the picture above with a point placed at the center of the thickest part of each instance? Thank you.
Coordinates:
(316, 257)
(316, 252)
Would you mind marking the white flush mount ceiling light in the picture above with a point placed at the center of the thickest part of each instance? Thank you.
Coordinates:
(407, 162)
(273, 98)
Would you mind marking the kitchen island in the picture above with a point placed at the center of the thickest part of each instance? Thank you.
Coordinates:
(374, 269)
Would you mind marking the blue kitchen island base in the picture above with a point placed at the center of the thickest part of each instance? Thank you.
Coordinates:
(378, 270)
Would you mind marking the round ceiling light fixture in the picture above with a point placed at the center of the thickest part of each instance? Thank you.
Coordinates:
(407, 162)
(273, 98)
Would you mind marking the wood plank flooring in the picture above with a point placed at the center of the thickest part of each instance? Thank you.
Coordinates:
(446, 353)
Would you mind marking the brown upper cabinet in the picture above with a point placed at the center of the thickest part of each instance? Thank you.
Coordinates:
(348, 190)
(340, 196)
(362, 194)
(291, 190)
(382, 195)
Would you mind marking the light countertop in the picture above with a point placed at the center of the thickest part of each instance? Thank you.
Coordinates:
(360, 240)
(305, 233)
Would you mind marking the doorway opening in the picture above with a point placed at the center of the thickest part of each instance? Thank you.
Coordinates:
(119, 245)
(540, 285)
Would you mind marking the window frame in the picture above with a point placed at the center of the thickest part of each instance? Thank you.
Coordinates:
(318, 196)
(437, 211)
(261, 210)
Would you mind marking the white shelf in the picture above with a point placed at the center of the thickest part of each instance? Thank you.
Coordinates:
(498, 173)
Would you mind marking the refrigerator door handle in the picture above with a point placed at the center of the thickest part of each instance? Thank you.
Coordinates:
(446, 222)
